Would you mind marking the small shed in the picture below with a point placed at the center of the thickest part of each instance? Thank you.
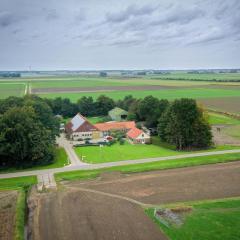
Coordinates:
(118, 114)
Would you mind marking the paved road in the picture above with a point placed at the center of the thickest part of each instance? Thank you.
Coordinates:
(72, 156)
(85, 166)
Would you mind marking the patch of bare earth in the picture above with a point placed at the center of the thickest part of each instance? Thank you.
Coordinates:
(110, 207)
(75, 214)
(101, 89)
(175, 185)
(8, 200)
(220, 137)
(224, 104)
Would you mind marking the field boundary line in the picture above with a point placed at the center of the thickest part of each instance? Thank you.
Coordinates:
(113, 196)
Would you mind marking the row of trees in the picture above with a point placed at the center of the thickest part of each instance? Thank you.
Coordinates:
(28, 130)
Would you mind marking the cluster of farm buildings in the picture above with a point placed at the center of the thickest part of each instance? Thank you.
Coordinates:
(80, 129)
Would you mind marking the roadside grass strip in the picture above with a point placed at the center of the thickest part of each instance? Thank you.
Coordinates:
(150, 166)
(203, 220)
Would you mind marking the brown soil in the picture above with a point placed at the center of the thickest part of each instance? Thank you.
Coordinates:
(177, 185)
(8, 201)
(221, 138)
(104, 208)
(101, 89)
(226, 104)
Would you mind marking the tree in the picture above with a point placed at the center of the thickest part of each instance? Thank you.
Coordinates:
(104, 104)
(150, 110)
(86, 106)
(24, 141)
(103, 74)
(126, 102)
(184, 125)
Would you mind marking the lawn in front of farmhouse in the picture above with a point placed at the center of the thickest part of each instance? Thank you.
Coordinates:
(127, 151)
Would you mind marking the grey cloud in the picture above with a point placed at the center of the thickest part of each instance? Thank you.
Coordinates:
(8, 18)
(132, 10)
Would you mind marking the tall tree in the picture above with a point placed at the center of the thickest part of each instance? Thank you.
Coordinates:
(104, 104)
(86, 106)
(183, 124)
(24, 141)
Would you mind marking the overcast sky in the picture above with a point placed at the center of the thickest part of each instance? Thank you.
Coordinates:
(119, 34)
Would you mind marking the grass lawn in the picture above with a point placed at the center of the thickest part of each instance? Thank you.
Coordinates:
(117, 152)
(196, 93)
(142, 167)
(95, 120)
(215, 118)
(208, 220)
(60, 160)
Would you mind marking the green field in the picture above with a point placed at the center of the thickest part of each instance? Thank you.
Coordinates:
(196, 93)
(11, 89)
(17, 183)
(60, 160)
(117, 152)
(215, 118)
(202, 76)
(207, 220)
(143, 167)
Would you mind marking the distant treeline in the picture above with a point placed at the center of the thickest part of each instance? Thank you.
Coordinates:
(194, 79)
(10, 75)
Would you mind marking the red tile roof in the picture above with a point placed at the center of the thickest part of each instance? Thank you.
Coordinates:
(115, 125)
(134, 132)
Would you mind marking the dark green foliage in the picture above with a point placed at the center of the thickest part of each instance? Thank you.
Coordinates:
(24, 141)
(86, 106)
(183, 124)
(62, 106)
(150, 110)
(126, 102)
(103, 105)
(28, 130)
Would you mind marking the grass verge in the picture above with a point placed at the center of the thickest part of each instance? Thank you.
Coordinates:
(208, 220)
(142, 167)
(22, 185)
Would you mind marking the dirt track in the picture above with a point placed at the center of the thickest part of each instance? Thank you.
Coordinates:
(73, 213)
(101, 89)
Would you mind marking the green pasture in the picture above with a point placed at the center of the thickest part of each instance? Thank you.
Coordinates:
(127, 151)
(207, 220)
(215, 118)
(201, 76)
(11, 89)
(196, 93)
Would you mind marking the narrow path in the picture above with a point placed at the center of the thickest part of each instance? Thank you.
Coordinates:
(113, 196)
(46, 180)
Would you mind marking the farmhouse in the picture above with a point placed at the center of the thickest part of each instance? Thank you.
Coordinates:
(79, 128)
(136, 136)
(118, 114)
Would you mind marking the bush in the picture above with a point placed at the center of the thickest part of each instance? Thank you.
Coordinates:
(121, 141)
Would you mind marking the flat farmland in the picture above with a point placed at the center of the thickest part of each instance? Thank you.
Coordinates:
(12, 89)
(200, 76)
(112, 206)
(197, 93)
